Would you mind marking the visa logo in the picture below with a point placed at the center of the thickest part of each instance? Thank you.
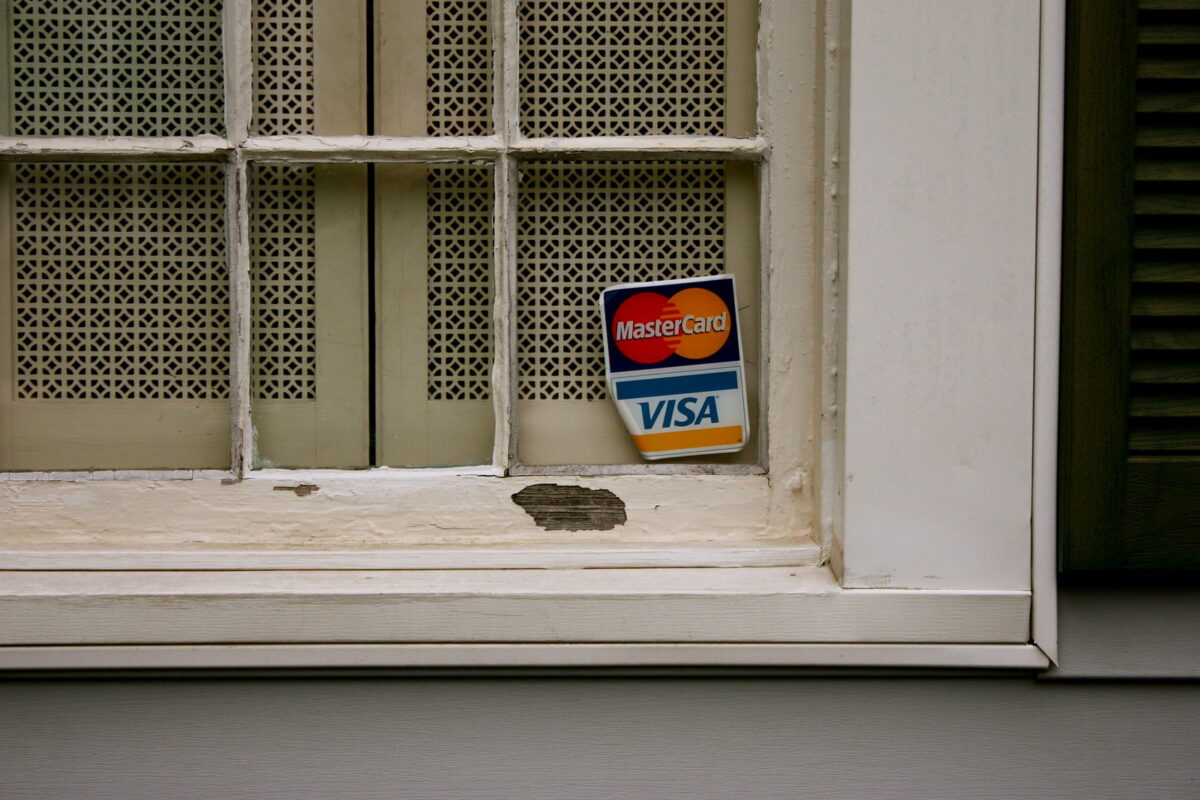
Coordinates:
(678, 413)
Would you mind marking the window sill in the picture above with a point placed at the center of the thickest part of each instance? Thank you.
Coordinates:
(795, 616)
(392, 519)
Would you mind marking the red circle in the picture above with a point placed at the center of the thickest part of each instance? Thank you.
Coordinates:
(642, 309)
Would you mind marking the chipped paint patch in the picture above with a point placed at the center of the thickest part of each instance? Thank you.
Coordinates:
(571, 508)
(301, 490)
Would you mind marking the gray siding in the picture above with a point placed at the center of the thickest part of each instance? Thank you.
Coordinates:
(598, 738)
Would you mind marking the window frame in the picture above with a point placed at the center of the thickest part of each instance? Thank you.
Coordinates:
(813, 606)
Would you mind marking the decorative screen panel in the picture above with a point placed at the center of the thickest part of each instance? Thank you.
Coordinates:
(121, 282)
(459, 67)
(622, 67)
(284, 81)
(459, 214)
(116, 68)
(283, 274)
(584, 226)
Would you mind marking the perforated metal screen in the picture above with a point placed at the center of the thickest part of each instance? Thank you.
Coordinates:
(622, 67)
(283, 276)
(584, 226)
(121, 282)
(459, 316)
(284, 80)
(459, 68)
(116, 68)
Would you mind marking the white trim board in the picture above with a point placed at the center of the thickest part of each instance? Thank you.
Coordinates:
(483, 557)
(767, 604)
(433, 656)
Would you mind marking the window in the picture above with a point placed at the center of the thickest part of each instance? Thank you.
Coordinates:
(372, 283)
(884, 517)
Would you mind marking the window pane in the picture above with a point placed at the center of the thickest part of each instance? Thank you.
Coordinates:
(430, 64)
(320, 240)
(115, 68)
(434, 403)
(120, 316)
(284, 76)
(308, 269)
(637, 67)
(585, 226)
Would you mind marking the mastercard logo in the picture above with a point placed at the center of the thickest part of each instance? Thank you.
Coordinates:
(648, 327)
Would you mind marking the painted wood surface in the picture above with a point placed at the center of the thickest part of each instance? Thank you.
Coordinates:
(940, 276)
(769, 604)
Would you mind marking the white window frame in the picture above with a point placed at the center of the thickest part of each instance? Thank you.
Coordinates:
(935, 491)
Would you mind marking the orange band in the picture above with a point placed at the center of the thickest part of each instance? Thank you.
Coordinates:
(685, 440)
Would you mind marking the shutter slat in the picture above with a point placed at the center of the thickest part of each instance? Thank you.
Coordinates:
(1169, 34)
(1167, 202)
(1165, 404)
(1153, 133)
(1169, 5)
(1158, 436)
(1164, 236)
(1166, 270)
(1166, 166)
(1167, 99)
(1159, 368)
(1164, 337)
(1165, 300)
(1166, 67)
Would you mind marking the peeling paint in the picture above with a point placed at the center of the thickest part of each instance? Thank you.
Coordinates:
(571, 508)
(301, 489)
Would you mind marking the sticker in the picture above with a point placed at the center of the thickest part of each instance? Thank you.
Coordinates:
(673, 358)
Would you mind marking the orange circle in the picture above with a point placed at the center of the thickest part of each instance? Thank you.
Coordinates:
(709, 326)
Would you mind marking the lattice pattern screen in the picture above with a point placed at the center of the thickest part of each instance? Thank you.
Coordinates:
(622, 67)
(284, 88)
(116, 68)
(582, 227)
(459, 68)
(283, 276)
(459, 212)
(121, 282)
